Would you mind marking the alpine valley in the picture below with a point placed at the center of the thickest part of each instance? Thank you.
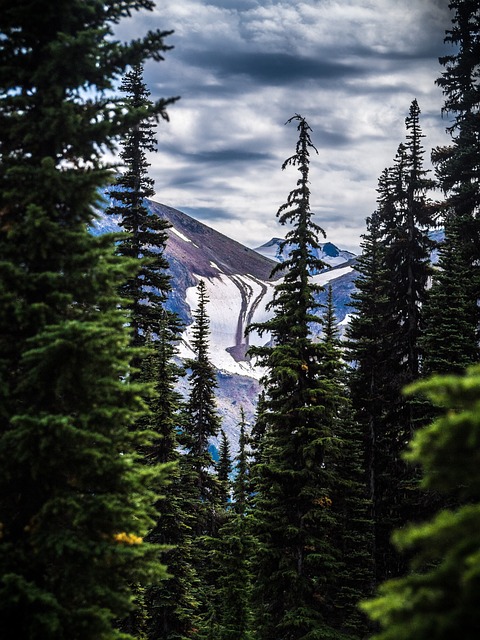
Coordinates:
(239, 287)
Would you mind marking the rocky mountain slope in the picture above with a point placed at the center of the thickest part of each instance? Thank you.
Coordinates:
(239, 288)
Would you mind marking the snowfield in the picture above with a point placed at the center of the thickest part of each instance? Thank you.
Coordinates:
(235, 302)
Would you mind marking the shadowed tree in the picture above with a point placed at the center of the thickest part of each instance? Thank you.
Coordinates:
(385, 341)
(236, 547)
(75, 502)
(452, 311)
(202, 490)
(438, 598)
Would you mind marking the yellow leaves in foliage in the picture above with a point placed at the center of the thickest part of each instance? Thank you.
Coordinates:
(304, 366)
(324, 502)
(127, 538)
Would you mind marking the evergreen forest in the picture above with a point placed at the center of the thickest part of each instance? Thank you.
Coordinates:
(349, 509)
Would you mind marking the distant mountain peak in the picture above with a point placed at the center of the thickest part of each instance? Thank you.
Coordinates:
(271, 243)
(328, 253)
(331, 250)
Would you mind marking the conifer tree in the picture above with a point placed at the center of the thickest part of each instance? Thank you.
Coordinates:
(450, 345)
(441, 589)
(296, 560)
(147, 236)
(170, 605)
(450, 342)
(349, 497)
(200, 424)
(399, 284)
(241, 484)
(201, 421)
(368, 342)
(235, 550)
(406, 221)
(224, 468)
(439, 598)
(457, 165)
(75, 502)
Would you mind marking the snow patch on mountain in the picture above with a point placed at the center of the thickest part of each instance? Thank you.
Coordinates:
(181, 235)
(235, 302)
(325, 277)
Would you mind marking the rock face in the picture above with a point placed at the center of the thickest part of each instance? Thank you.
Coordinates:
(239, 287)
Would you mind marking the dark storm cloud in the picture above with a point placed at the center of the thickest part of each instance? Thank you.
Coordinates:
(272, 68)
(208, 214)
(240, 5)
(227, 155)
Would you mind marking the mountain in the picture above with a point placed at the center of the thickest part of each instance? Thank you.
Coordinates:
(239, 287)
(328, 253)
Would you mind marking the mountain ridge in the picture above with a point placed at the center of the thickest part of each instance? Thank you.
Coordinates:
(239, 287)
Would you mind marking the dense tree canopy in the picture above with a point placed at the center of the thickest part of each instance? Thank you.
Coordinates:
(74, 501)
(452, 311)
(439, 599)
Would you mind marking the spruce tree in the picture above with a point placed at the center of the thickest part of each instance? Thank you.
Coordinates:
(368, 342)
(385, 341)
(168, 606)
(450, 339)
(224, 469)
(438, 600)
(451, 345)
(241, 484)
(201, 421)
(236, 548)
(75, 502)
(200, 424)
(147, 237)
(457, 165)
(350, 502)
(297, 559)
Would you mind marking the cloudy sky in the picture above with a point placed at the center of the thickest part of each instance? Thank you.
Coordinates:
(244, 67)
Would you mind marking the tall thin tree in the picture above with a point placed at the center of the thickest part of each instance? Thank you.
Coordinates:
(236, 547)
(458, 170)
(398, 281)
(147, 236)
(296, 560)
(200, 424)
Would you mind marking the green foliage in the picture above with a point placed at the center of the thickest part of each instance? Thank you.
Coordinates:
(297, 557)
(201, 488)
(201, 418)
(224, 469)
(147, 236)
(235, 550)
(75, 502)
(385, 340)
(453, 316)
(349, 497)
(439, 598)
(450, 340)
(170, 604)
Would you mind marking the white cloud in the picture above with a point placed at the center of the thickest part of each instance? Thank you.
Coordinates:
(242, 67)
